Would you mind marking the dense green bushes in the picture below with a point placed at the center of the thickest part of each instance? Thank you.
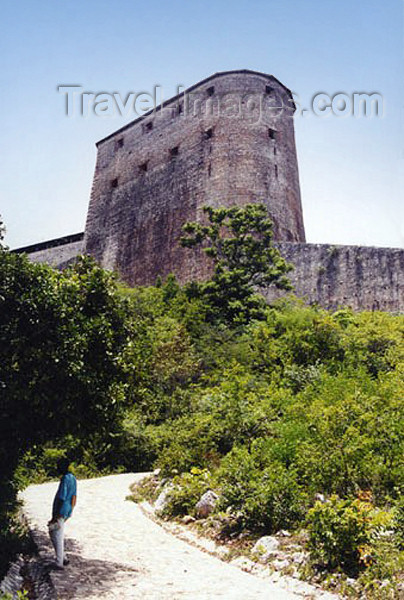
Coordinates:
(63, 339)
(299, 402)
(265, 494)
(322, 407)
(342, 531)
(354, 536)
(185, 490)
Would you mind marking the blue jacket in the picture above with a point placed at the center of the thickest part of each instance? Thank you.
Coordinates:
(66, 490)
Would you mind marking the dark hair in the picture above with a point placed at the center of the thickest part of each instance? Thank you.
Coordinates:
(63, 465)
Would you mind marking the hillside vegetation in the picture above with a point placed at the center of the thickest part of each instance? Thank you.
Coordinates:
(269, 415)
(272, 407)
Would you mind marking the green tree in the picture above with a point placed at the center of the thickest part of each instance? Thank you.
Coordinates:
(62, 339)
(239, 242)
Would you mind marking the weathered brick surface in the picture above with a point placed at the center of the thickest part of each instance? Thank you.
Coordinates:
(232, 147)
(361, 277)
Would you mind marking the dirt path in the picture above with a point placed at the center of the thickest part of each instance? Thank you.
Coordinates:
(117, 552)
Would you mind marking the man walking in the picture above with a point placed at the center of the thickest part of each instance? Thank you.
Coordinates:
(63, 504)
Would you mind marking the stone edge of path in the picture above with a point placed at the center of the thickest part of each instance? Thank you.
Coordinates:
(31, 569)
(217, 550)
(13, 579)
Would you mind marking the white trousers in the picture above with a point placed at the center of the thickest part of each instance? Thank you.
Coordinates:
(56, 534)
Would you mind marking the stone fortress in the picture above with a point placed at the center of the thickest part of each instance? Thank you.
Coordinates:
(227, 140)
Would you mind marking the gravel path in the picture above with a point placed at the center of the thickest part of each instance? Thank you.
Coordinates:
(117, 552)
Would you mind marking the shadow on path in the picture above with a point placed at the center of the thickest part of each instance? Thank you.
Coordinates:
(83, 576)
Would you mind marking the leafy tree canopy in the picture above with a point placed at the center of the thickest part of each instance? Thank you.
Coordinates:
(239, 242)
(62, 339)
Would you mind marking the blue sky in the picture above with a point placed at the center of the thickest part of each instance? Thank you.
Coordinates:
(351, 169)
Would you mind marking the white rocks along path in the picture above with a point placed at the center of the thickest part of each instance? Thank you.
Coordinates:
(117, 552)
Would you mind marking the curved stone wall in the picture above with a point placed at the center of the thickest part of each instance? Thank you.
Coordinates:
(228, 140)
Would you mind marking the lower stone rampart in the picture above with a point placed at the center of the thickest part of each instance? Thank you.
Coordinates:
(58, 253)
(359, 277)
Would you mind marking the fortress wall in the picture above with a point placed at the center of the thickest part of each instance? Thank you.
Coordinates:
(229, 140)
(211, 147)
(363, 278)
(57, 253)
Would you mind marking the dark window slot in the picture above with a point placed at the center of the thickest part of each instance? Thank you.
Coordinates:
(119, 144)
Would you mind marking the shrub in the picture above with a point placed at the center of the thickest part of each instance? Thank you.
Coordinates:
(277, 503)
(186, 491)
(341, 532)
(399, 522)
(185, 443)
(146, 489)
(387, 565)
(267, 498)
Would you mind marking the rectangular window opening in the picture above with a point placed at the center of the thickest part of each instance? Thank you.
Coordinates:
(143, 167)
(209, 134)
(272, 134)
(268, 89)
(114, 183)
(174, 151)
(211, 90)
(119, 143)
(180, 109)
(276, 170)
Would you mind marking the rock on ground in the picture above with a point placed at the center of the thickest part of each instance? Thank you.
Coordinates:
(206, 504)
(266, 546)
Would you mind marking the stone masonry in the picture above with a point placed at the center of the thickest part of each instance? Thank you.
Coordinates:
(359, 277)
(227, 140)
(58, 252)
